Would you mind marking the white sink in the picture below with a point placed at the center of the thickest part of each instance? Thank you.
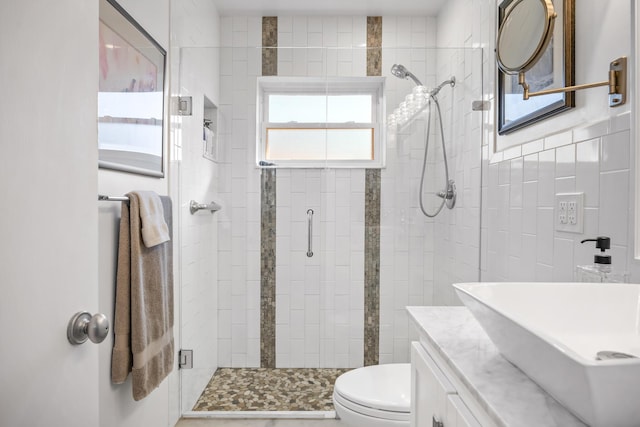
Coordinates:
(553, 331)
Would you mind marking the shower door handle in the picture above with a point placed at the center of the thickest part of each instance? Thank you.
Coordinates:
(310, 232)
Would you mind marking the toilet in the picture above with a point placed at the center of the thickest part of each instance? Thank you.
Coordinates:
(374, 396)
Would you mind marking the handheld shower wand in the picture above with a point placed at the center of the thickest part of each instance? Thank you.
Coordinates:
(448, 195)
(401, 72)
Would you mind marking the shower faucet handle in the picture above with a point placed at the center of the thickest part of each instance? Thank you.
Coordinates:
(449, 195)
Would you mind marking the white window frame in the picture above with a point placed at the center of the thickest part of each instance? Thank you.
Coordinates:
(276, 85)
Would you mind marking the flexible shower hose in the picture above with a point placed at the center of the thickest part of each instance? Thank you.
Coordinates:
(424, 162)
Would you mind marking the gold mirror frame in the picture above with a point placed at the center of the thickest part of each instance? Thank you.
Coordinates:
(547, 34)
(616, 76)
(561, 51)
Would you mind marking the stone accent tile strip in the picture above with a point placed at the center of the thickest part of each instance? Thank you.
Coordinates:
(374, 45)
(372, 217)
(268, 269)
(260, 389)
(268, 217)
(269, 45)
(372, 267)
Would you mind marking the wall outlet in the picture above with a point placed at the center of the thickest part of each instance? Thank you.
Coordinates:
(570, 212)
(562, 212)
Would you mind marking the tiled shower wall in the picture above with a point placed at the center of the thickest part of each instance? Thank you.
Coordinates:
(457, 233)
(320, 299)
(424, 256)
(239, 225)
(341, 33)
(319, 312)
(406, 236)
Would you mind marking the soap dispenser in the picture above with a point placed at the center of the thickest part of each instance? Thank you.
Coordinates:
(601, 269)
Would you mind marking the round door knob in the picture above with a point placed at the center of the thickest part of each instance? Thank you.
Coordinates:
(83, 325)
(98, 328)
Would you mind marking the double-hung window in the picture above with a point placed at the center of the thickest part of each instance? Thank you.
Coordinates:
(320, 122)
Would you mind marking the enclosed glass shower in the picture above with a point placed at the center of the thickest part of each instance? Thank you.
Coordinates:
(250, 295)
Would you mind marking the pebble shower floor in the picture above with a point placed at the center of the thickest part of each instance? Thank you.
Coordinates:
(269, 389)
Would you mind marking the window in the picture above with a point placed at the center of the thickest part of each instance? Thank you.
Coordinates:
(313, 122)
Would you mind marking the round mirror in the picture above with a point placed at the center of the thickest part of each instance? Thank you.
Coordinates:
(524, 34)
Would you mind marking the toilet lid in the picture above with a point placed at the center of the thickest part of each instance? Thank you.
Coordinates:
(386, 387)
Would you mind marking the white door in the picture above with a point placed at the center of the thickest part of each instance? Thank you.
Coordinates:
(48, 213)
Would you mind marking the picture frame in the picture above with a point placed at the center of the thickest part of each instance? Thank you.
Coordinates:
(556, 68)
(131, 95)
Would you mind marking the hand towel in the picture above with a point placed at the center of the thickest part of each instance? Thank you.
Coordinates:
(143, 323)
(154, 228)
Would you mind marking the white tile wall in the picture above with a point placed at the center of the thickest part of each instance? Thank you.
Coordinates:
(239, 192)
(457, 238)
(322, 297)
(411, 244)
(600, 168)
(343, 39)
(297, 283)
(320, 300)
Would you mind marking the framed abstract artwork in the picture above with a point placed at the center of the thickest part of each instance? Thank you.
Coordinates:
(131, 98)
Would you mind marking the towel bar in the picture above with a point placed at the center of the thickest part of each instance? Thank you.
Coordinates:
(105, 198)
(195, 207)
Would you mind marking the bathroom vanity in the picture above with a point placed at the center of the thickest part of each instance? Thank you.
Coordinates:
(459, 379)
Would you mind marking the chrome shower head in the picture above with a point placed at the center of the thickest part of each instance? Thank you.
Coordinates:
(401, 72)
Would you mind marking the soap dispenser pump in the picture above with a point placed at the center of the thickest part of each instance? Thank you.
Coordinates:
(601, 270)
(602, 243)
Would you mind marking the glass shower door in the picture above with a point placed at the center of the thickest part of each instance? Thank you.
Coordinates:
(196, 150)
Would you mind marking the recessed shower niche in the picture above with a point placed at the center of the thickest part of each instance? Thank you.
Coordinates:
(210, 130)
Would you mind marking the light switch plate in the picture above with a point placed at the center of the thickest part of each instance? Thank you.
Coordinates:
(569, 212)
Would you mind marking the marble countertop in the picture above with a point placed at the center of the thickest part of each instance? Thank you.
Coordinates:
(508, 396)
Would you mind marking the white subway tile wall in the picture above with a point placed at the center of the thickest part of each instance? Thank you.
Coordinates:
(316, 295)
(596, 162)
(457, 238)
(405, 258)
(411, 244)
(239, 183)
(322, 297)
